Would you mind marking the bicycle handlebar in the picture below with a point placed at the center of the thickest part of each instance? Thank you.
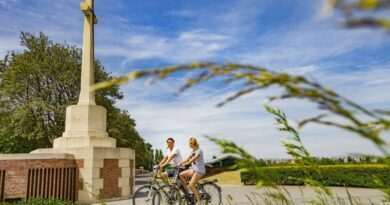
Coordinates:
(179, 167)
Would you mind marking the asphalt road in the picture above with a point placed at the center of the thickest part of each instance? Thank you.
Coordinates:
(240, 195)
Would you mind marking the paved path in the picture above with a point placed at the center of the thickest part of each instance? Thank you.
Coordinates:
(239, 195)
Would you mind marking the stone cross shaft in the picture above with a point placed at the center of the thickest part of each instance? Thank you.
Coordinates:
(87, 96)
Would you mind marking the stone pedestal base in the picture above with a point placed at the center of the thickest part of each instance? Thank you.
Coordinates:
(104, 172)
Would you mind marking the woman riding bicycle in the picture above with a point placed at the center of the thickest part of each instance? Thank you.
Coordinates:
(197, 170)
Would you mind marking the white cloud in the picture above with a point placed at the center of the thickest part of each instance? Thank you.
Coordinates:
(60, 20)
(6, 3)
(8, 44)
(200, 35)
(301, 70)
(187, 46)
(310, 42)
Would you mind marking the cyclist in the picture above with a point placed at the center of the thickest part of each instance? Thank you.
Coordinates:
(197, 169)
(172, 156)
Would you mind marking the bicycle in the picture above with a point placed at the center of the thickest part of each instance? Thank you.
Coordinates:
(209, 191)
(144, 194)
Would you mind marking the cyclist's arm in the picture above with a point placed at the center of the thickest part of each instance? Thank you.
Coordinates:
(163, 160)
(184, 161)
(193, 158)
(168, 159)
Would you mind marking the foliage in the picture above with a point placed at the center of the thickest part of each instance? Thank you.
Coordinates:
(332, 160)
(361, 13)
(39, 201)
(301, 158)
(36, 86)
(336, 175)
(158, 155)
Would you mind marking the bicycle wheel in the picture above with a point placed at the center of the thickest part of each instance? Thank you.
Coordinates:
(144, 195)
(212, 195)
(168, 195)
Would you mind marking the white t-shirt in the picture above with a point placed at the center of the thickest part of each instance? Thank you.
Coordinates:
(198, 165)
(177, 159)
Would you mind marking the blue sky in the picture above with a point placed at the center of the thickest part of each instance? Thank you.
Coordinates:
(283, 35)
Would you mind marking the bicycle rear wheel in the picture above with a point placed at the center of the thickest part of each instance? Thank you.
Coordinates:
(144, 195)
(167, 195)
(212, 194)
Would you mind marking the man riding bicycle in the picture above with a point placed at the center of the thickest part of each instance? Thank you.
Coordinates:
(172, 156)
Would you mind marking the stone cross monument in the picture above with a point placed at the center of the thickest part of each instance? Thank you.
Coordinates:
(86, 122)
(104, 170)
(87, 96)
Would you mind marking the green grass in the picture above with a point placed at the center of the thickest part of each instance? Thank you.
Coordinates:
(228, 177)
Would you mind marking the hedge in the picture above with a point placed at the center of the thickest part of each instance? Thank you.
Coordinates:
(38, 201)
(331, 175)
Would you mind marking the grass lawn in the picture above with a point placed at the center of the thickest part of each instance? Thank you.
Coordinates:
(228, 177)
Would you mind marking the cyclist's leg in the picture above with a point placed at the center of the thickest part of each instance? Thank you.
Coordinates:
(194, 180)
(183, 175)
(166, 174)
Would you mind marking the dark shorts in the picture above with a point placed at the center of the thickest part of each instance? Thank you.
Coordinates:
(170, 172)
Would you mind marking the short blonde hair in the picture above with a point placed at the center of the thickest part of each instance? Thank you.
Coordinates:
(194, 141)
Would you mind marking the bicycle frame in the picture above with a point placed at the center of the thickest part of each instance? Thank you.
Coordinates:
(190, 197)
(152, 184)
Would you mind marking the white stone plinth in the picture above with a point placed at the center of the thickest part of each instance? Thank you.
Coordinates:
(85, 126)
(85, 119)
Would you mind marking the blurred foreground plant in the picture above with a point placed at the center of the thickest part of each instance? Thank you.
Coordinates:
(339, 112)
(361, 13)
(369, 124)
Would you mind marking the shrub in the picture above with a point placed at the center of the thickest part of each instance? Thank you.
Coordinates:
(39, 201)
(331, 175)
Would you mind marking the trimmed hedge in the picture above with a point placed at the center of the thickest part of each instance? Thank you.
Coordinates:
(38, 201)
(331, 175)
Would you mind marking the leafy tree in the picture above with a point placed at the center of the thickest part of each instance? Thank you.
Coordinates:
(156, 156)
(160, 154)
(36, 86)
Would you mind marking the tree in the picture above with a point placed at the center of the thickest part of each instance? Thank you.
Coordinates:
(160, 154)
(156, 156)
(36, 86)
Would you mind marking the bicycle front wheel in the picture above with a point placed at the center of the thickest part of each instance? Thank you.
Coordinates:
(167, 195)
(212, 194)
(144, 195)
